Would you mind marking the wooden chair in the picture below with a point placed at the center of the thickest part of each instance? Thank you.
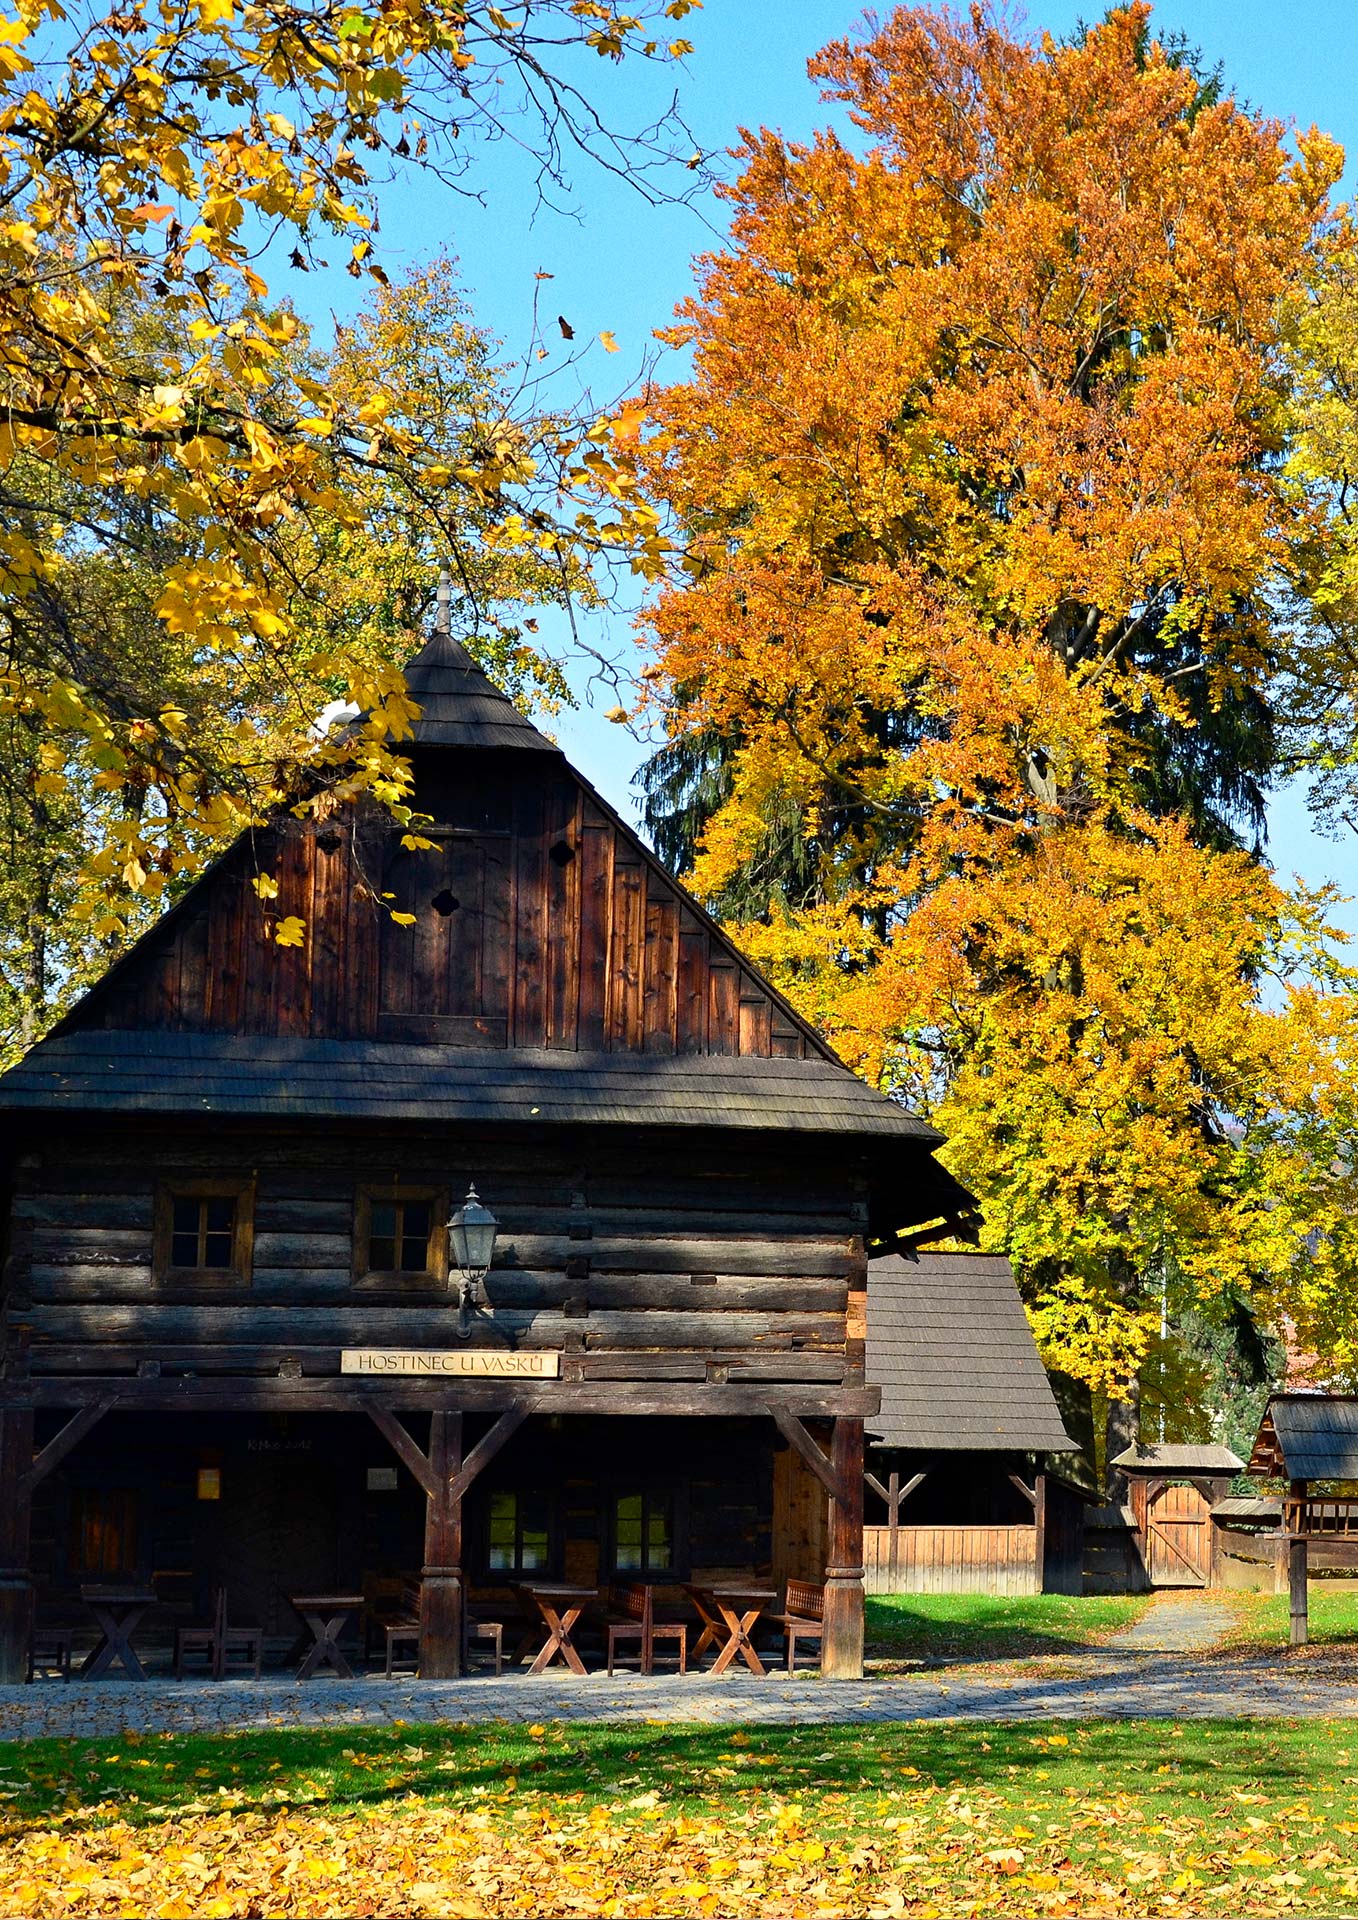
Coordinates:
(201, 1639)
(241, 1648)
(637, 1621)
(405, 1634)
(802, 1618)
(49, 1652)
(226, 1647)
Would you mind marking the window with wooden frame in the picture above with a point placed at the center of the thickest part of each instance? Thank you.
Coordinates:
(647, 1532)
(400, 1236)
(204, 1231)
(522, 1533)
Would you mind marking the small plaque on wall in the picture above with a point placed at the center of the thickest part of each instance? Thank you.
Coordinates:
(381, 1479)
(483, 1362)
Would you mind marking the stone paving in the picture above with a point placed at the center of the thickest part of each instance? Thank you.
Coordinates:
(1147, 1672)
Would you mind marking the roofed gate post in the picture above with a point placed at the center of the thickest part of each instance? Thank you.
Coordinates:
(842, 1652)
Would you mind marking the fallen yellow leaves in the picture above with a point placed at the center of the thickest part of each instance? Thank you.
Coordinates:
(421, 1858)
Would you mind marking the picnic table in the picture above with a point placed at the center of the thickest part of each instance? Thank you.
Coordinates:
(729, 1614)
(560, 1608)
(325, 1614)
(118, 1612)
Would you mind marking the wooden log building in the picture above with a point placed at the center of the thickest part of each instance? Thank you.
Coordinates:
(966, 1492)
(231, 1351)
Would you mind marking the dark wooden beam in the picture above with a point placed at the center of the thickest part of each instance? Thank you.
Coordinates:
(401, 1444)
(61, 1443)
(678, 1399)
(797, 1436)
(902, 1492)
(487, 1447)
(1029, 1493)
(441, 1598)
(16, 1506)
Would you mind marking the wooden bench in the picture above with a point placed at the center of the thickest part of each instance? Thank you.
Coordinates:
(634, 1608)
(803, 1617)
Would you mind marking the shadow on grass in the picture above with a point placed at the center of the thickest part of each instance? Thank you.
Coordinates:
(76, 1784)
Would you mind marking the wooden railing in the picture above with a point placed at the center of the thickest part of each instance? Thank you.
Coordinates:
(1313, 1515)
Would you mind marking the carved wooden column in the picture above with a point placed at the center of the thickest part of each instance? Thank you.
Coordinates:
(16, 1580)
(842, 1652)
(441, 1590)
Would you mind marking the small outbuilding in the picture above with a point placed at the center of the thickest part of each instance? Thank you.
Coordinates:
(962, 1492)
(1173, 1491)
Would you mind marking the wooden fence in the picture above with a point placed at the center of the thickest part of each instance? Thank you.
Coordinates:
(952, 1560)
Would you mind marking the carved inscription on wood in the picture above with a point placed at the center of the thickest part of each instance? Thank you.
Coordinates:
(481, 1361)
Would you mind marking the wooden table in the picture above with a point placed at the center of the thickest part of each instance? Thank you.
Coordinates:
(117, 1613)
(325, 1614)
(560, 1608)
(732, 1611)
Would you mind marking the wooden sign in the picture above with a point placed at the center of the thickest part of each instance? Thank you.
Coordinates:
(480, 1361)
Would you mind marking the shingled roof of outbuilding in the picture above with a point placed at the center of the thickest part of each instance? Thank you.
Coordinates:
(97, 1070)
(950, 1347)
(1154, 1458)
(460, 706)
(1308, 1436)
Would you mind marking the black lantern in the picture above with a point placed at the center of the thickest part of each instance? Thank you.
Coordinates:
(471, 1242)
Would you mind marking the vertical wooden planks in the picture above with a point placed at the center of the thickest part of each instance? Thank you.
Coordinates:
(192, 1005)
(292, 966)
(659, 1008)
(563, 915)
(756, 1019)
(497, 927)
(690, 1016)
(530, 916)
(596, 927)
(362, 930)
(330, 876)
(224, 999)
(723, 1026)
(629, 942)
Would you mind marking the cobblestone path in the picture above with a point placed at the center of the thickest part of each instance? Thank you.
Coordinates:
(1149, 1671)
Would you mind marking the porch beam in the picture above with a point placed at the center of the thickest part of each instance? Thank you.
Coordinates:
(441, 1597)
(797, 1436)
(70, 1436)
(894, 1493)
(402, 1444)
(1029, 1493)
(486, 1449)
(842, 1646)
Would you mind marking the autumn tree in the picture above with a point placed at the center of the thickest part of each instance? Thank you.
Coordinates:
(179, 473)
(977, 481)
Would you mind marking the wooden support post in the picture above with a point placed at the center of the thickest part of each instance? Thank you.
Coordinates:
(1296, 1560)
(1296, 1587)
(1040, 1533)
(441, 1587)
(842, 1649)
(16, 1501)
(893, 1501)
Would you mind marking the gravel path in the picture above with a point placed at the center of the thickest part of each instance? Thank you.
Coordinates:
(1147, 1672)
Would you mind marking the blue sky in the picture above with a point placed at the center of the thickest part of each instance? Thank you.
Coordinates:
(622, 265)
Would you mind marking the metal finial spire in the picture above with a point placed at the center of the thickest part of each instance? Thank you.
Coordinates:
(443, 612)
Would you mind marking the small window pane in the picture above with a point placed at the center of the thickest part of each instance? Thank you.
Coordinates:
(534, 1533)
(503, 1532)
(186, 1217)
(184, 1249)
(221, 1214)
(216, 1249)
(383, 1219)
(658, 1535)
(627, 1532)
(381, 1255)
(415, 1236)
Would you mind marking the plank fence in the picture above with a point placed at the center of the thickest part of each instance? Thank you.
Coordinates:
(988, 1559)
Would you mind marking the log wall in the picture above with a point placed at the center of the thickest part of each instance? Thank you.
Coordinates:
(633, 1266)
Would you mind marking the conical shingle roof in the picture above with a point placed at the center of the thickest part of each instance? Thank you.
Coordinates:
(460, 706)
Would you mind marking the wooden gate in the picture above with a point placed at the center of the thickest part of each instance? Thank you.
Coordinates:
(1178, 1535)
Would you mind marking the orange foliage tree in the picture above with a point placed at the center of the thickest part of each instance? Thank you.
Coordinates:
(976, 481)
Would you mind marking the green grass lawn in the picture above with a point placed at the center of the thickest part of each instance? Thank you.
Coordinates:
(982, 1626)
(1262, 1620)
(1135, 1818)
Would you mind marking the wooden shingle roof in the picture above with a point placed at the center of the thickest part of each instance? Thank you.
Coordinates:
(1308, 1436)
(950, 1347)
(93, 1070)
(460, 706)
